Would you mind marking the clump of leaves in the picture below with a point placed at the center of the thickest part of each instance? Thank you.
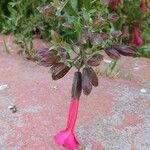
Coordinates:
(3, 12)
(29, 19)
(134, 22)
(25, 21)
(86, 30)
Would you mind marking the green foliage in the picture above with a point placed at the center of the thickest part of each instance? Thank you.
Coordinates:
(110, 68)
(3, 12)
(24, 16)
(144, 51)
(131, 15)
(26, 19)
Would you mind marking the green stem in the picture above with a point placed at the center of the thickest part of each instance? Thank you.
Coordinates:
(83, 56)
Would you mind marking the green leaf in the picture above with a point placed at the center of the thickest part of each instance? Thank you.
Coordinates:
(74, 4)
(87, 4)
(111, 67)
(80, 4)
(68, 6)
(70, 10)
(61, 7)
(86, 15)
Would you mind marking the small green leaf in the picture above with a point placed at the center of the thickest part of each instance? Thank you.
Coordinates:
(70, 10)
(87, 4)
(80, 4)
(111, 67)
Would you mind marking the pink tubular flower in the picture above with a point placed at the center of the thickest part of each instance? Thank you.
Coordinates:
(143, 6)
(114, 4)
(136, 37)
(66, 138)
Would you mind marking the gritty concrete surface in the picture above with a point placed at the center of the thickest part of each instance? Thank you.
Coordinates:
(116, 116)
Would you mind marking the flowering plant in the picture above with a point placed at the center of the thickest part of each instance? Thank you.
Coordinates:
(85, 29)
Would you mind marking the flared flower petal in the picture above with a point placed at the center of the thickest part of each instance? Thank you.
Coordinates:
(143, 6)
(136, 37)
(66, 138)
(61, 137)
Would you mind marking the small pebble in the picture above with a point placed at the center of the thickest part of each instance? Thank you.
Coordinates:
(143, 90)
(13, 109)
(2, 87)
(107, 61)
(53, 87)
(136, 68)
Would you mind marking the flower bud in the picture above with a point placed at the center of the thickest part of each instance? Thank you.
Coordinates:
(104, 35)
(68, 25)
(59, 70)
(95, 60)
(112, 53)
(48, 57)
(63, 53)
(95, 38)
(86, 82)
(77, 85)
(126, 50)
(116, 34)
(55, 36)
(47, 10)
(46, 51)
(93, 77)
(83, 39)
(113, 18)
(96, 23)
